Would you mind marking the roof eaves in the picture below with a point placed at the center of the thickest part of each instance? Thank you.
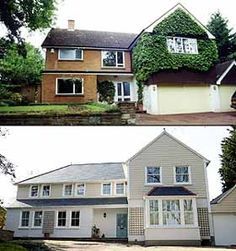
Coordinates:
(218, 82)
(225, 194)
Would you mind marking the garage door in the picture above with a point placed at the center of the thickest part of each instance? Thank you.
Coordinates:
(183, 99)
(225, 229)
(226, 93)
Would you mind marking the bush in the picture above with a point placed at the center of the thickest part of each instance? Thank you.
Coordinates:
(106, 90)
(16, 97)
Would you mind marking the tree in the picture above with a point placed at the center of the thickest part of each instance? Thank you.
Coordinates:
(17, 70)
(2, 216)
(218, 26)
(6, 167)
(33, 15)
(228, 160)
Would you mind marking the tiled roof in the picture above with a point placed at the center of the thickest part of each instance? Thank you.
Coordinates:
(80, 172)
(221, 196)
(67, 202)
(170, 191)
(87, 38)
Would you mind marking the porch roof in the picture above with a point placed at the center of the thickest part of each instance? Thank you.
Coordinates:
(28, 203)
(170, 191)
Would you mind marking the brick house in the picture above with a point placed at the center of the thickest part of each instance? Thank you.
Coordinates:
(77, 59)
(158, 196)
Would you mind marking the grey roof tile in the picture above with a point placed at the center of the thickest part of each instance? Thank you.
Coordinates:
(80, 172)
(168, 191)
(88, 38)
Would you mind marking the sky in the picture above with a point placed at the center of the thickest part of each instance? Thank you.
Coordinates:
(36, 150)
(129, 15)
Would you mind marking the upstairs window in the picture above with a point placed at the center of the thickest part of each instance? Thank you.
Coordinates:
(69, 86)
(67, 190)
(113, 59)
(80, 189)
(70, 54)
(34, 192)
(106, 189)
(25, 218)
(182, 45)
(153, 175)
(182, 174)
(120, 188)
(46, 189)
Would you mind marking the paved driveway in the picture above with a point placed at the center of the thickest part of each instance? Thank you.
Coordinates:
(99, 246)
(208, 118)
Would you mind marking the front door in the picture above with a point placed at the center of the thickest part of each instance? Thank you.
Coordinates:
(121, 225)
(123, 91)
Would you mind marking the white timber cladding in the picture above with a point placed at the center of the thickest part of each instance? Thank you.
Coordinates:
(166, 152)
(57, 190)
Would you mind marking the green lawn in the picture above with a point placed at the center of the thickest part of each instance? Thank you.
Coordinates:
(11, 247)
(58, 109)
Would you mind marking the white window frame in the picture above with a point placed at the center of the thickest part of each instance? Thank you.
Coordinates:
(116, 187)
(75, 190)
(70, 94)
(33, 226)
(120, 66)
(71, 59)
(181, 199)
(50, 189)
(182, 38)
(189, 175)
(72, 190)
(71, 219)
(56, 223)
(122, 96)
(20, 223)
(30, 194)
(154, 183)
(104, 183)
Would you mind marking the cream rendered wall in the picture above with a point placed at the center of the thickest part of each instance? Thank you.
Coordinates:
(166, 153)
(226, 92)
(92, 190)
(107, 225)
(224, 228)
(174, 99)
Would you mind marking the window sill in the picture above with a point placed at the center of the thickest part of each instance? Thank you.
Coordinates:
(182, 183)
(173, 227)
(112, 67)
(153, 184)
(70, 60)
(23, 228)
(71, 95)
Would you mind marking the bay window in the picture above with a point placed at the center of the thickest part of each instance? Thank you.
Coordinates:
(69, 86)
(171, 212)
(112, 59)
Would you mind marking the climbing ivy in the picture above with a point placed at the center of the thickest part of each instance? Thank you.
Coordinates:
(151, 54)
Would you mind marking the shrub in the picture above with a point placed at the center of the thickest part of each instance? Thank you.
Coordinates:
(106, 90)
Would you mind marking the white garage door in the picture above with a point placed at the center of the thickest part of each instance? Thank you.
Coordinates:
(225, 229)
(174, 99)
(226, 92)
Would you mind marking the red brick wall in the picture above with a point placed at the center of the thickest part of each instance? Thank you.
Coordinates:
(49, 89)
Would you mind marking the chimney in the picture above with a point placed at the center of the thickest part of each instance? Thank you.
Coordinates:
(71, 25)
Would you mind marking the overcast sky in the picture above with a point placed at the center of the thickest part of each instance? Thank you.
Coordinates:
(129, 15)
(36, 150)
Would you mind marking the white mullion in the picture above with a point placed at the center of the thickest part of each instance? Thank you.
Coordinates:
(182, 221)
(160, 212)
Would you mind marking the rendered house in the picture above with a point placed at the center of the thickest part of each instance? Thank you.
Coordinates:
(159, 196)
(223, 211)
(77, 59)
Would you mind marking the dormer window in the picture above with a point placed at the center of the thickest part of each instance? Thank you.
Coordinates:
(70, 54)
(46, 189)
(34, 191)
(182, 45)
(80, 189)
(113, 59)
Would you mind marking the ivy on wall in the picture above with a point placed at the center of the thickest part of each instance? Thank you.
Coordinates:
(151, 54)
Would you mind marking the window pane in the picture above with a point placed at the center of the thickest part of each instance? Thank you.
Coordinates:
(109, 58)
(34, 191)
(188, 218)
(154, 215)
(153, 175)
(68, 190)
(106, 188)
(80, 189)
(38, 218)
(188, 205)
(78, 53)
(78, 86)
(65, 86)
(120, 188)
(25, 218)
(67, 53)
(126, 87)
(61, 219)
(46, 190)
(75, 218)
(171, 212)
(120, 59)
(170, 44)
(119, 92)
(182, 174)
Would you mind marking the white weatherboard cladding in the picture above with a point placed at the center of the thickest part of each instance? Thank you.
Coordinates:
(167, 153)
(225, 228)
(107, 225)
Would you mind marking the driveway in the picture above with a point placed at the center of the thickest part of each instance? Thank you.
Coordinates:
(208, 118)
(100, 246)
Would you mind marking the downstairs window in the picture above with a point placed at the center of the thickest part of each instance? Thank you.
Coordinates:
(69, 86)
